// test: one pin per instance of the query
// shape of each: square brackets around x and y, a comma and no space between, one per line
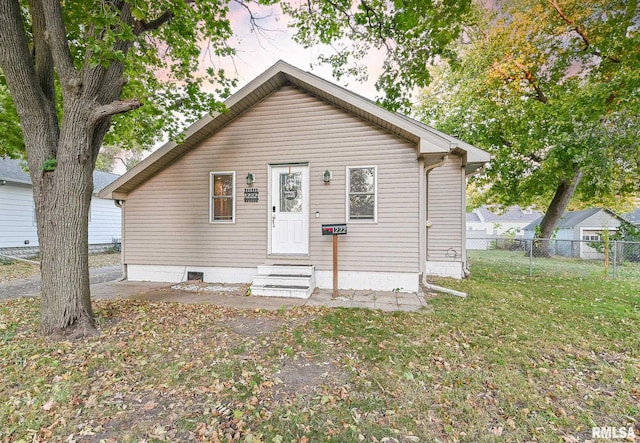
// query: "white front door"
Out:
[289,215]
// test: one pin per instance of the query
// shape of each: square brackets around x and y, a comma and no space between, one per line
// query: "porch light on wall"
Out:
[326,176]
[250,178]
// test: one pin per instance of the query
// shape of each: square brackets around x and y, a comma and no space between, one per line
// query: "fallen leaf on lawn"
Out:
[91,402]
[48,405]
[149,406]
[497,431]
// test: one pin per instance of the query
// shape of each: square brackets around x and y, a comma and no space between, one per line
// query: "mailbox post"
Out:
[334,230]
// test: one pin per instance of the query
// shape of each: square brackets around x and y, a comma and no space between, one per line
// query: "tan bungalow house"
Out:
[243,197]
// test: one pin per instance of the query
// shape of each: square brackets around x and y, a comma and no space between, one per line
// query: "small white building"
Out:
[501,221]
[576,229]
[18,228]
[487,223]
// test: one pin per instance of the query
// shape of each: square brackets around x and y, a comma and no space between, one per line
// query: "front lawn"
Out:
[11,270]
[520,359]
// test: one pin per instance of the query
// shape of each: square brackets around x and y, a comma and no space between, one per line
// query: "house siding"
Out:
[17,223]
[105,224]
[597,222]
[167,217]
[445,204]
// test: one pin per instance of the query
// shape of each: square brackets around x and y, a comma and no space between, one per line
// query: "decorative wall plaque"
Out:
[251,195]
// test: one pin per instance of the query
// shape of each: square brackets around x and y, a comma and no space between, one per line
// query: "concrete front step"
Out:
[284,280]
[286,269]
[282,291]
[293,281]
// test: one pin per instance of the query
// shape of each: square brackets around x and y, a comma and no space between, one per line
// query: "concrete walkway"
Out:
[235,296]
[30,287]
[105,286]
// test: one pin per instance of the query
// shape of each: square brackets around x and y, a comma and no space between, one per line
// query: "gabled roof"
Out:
[429,141]
[11,171]
[511,214]
[572,218]
[633,217]
[472,217]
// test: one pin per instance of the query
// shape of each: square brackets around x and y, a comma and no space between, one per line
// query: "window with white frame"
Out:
[222,190]
[361,193]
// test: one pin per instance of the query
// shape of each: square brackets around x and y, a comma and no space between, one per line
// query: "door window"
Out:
[291,192]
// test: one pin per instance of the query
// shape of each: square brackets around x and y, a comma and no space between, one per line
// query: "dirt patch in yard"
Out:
[251,327]
[305,376]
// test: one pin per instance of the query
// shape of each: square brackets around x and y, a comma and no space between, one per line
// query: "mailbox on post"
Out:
[335,229]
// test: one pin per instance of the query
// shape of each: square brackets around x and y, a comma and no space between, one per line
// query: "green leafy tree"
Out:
[72,68]
[12,144]
[552,89]
[408,34]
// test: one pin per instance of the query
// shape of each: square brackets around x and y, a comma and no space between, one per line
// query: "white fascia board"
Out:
[429,147]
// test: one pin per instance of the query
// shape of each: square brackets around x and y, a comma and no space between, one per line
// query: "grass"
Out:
[541,358]
[518,263]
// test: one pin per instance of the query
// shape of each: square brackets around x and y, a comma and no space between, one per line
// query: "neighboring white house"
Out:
[247,195]
[577,228]
[17,210]
[488,222]
[496,221]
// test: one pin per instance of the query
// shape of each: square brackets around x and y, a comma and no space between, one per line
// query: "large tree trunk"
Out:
[61,158]
[554,213]
[63,198]
[63,235]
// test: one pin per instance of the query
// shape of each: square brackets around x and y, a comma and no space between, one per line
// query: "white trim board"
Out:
[376,281]
[177,274]
[452,269]
[380,281]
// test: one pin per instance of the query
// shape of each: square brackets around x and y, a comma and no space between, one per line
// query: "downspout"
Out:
[425,283]
[428,168]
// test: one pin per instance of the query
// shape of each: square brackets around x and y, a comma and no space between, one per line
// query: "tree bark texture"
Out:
[63,198]
[61,155]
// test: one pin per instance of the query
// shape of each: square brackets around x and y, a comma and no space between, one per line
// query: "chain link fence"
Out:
[558,257]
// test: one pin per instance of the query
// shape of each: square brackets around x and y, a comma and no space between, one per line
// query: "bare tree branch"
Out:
[113,108]
[140,27]
[56,34]
[528,75]
[42,57]
[33,107]
[581,32]
[15,61]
